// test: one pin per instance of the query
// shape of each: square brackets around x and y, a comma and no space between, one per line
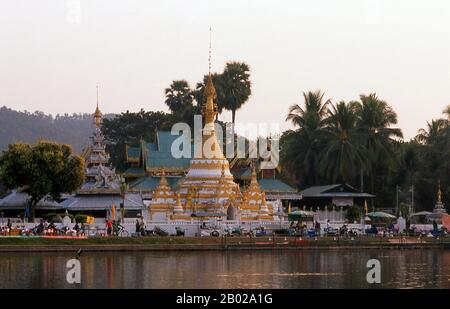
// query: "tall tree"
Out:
[433,132]
[342,157]
[236,86]
[179,97]
[447,112]
[302,147]
[46,168]
[375,118]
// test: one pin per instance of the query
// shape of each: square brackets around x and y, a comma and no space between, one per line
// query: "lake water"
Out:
[232,269]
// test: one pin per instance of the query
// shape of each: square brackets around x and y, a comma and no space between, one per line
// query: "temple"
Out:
[103,188]
[206,188]
[207,184]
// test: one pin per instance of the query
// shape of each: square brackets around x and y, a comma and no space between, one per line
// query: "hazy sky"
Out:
[53,55]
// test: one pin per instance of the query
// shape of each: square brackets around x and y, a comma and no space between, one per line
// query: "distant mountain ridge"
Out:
[16,126]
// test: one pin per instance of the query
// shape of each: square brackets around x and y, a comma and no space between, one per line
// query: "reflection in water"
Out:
[233,269]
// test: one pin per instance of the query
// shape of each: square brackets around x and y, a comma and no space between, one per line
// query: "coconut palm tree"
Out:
[236,86]
[375,118]
[302,147]
[433,133]
[447,112]
[342,156]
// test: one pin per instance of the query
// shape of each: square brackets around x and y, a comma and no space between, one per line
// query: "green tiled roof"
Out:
[165,140]
[152,146]
[274,185]
[162,157]
[159,155]
[149,183]
[132,171]
[133,152]
[166,160]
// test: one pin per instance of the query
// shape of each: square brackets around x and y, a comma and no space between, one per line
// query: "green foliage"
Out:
[353,213]
[236,86]
[129,128]
[179,97]
[334,143]
[45,168]
[403,210]
[300,150]
[80,218]
[233,87]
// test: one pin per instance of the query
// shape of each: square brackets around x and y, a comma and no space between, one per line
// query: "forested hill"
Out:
[29,127]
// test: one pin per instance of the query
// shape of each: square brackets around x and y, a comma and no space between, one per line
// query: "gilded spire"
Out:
[210,47]
[253,179]
[163,181]
[210,94]
[97,114]
[439,193]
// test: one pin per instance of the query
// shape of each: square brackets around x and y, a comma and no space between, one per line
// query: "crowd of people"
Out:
[44,227]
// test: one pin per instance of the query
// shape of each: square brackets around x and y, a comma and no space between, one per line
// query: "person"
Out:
[317,227]
[138,227]
[9,224]
[109,227]
[435,226]
[142,226]
[76,228]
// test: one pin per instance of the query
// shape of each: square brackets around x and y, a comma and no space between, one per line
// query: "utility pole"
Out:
[362,180]
[397,190]
[412,199]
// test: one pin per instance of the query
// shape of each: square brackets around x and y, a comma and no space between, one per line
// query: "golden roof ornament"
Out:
[178,207]
[210,107]
[97,114]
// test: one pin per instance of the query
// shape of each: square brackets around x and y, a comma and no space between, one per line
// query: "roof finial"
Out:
[439,193]
[210,47]
[97,114]
[97,96]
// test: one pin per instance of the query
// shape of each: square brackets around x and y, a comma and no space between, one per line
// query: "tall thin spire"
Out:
[439,193]
[210,48]
[97,114]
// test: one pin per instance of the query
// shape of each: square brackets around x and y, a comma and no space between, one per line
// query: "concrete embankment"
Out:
[208,244]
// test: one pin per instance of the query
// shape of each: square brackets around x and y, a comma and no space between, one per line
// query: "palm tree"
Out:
[236,86]
[343,155]
[447,112]
[312,116]
[179,97]
[375,118]
[433,133]
[302,147]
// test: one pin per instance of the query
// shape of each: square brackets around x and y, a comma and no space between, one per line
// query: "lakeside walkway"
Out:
[112,244]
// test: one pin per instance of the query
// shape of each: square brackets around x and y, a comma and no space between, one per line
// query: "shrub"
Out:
[353,213]
[79,218]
